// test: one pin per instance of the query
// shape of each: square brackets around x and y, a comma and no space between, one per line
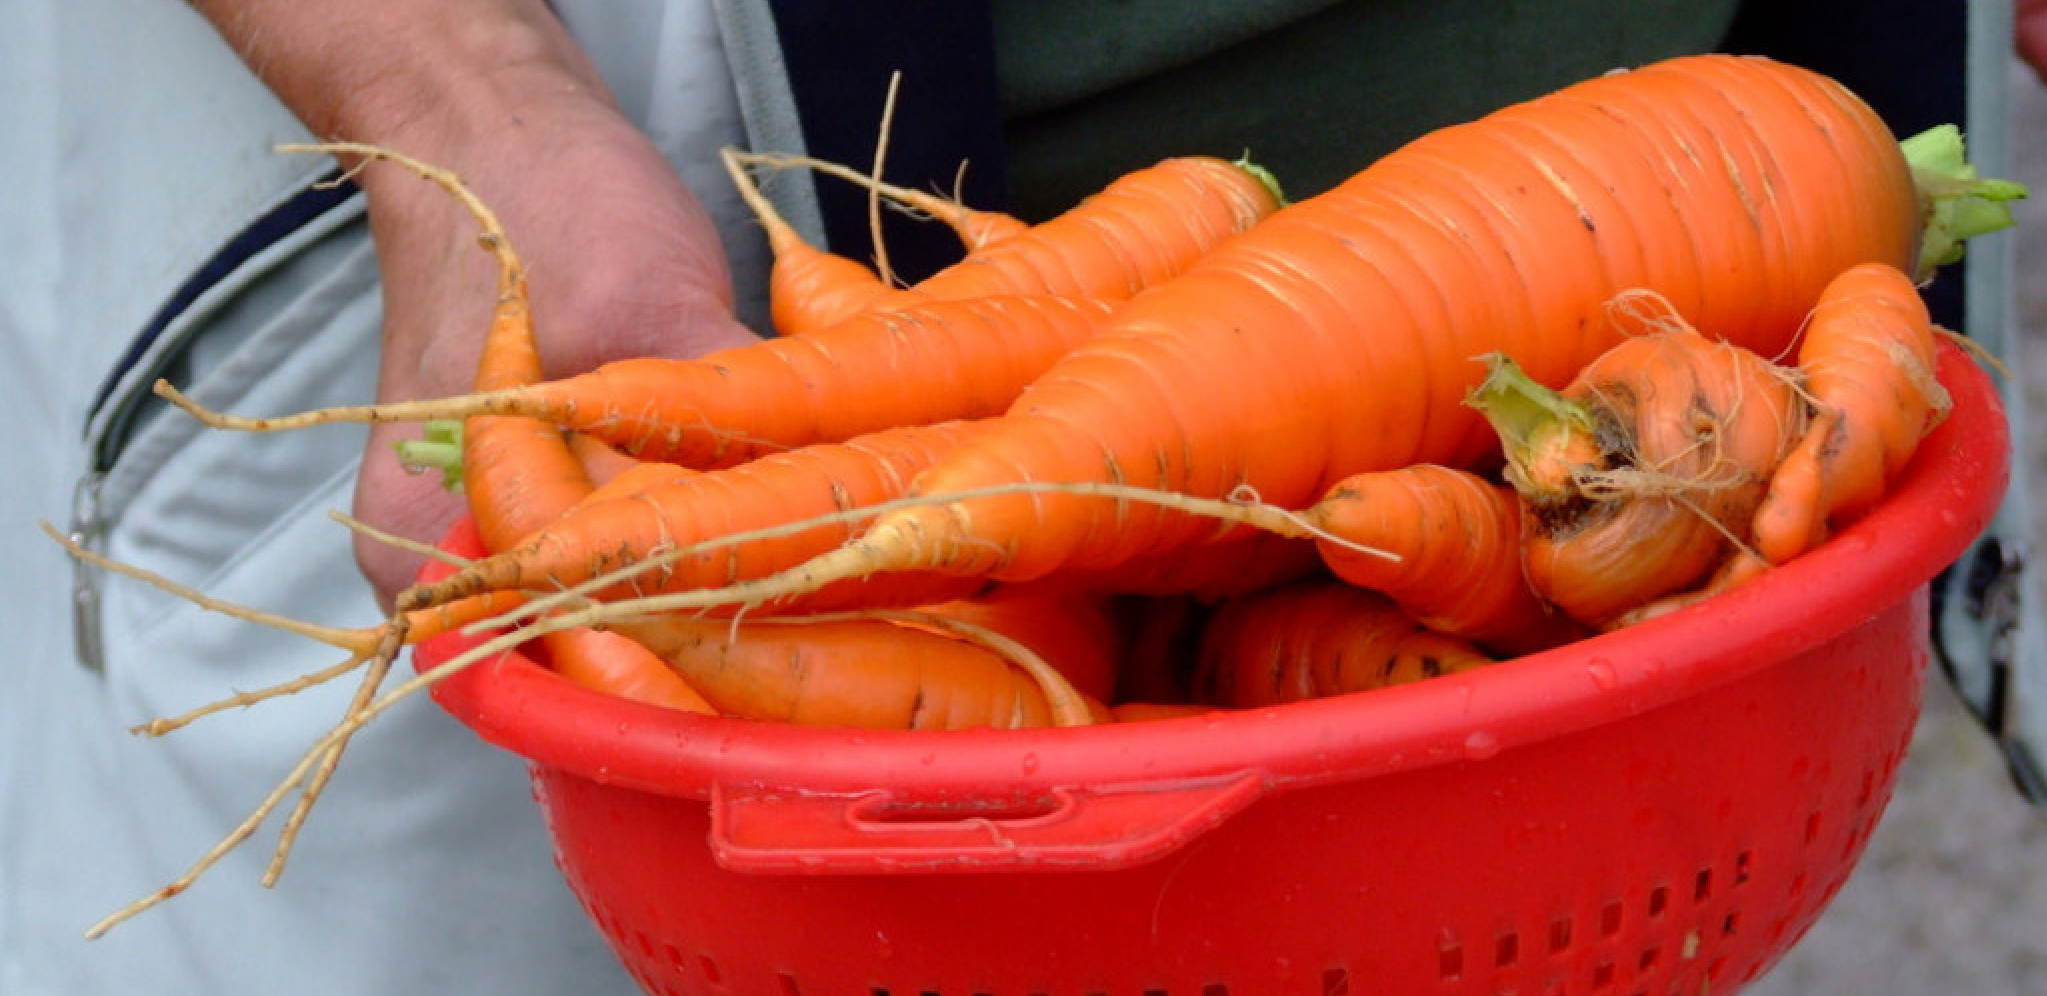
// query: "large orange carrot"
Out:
[1867,365]
[1641,475]
[935,361]
[1338,335]
[1317,638]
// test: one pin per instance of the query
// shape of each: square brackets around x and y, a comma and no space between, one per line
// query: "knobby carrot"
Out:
[1337,336]
[935,361]
[1317,638]
[1642,474]
[1866,362]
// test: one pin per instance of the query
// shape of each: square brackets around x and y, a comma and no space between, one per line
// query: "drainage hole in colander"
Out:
[1450,961]
[1336,981]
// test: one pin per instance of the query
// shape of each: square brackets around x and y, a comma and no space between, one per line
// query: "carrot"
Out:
[977,228]
[1866,362]
[1642,474]
[936,361]
[518,474]
[1143,228]
[1455,544]
[1337,336]
[809,288]
[602,461]
[599,538]
[1073,630]
[1317,638]
[865,672]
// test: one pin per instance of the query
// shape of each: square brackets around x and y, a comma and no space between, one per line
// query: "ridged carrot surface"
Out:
[1340,335]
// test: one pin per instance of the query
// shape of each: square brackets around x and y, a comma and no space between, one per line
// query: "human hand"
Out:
[621,261]
[620,258]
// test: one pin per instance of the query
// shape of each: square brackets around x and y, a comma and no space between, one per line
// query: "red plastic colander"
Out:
[1658,811]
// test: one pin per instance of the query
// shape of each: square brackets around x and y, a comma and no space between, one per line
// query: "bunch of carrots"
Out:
[1587,360]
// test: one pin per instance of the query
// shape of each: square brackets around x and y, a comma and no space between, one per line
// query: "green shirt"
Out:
[1313,90]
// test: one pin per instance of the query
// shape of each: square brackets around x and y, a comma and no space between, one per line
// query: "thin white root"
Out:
[1242,507]
[888,113]
[333,636]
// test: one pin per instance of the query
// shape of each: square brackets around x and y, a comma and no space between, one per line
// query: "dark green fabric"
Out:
[1312,89]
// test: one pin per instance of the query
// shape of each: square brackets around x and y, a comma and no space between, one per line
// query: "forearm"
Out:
[379,72]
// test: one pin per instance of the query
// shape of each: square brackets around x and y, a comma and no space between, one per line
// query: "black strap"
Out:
[272,227]
[840,55]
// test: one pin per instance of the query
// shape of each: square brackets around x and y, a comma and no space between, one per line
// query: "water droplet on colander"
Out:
[1601,671]
[1030,764]
[1481,744]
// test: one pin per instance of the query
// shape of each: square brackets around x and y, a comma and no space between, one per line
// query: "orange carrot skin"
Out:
[600,460]
[1143,228]
[1337,336]
[864,673]
[1073,631]
[604,536]
[940,361]
[1457,537]
[519,475]
[1707,423]
[812,289]
[1314,639]
[1867,360]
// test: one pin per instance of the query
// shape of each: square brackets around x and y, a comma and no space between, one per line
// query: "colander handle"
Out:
[765,830]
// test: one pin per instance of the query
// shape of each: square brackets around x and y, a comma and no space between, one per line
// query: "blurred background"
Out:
[1951,896]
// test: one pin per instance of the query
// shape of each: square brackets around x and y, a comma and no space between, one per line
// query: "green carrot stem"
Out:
[439,448]
[1542,433]
[1957,204]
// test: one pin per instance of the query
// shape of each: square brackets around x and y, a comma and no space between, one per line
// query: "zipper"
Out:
[87,527]
[124,394]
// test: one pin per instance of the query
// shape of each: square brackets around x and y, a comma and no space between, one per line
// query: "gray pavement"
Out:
[1951,897]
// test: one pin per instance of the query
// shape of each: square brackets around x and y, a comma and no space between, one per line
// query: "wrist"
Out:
[406,72]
